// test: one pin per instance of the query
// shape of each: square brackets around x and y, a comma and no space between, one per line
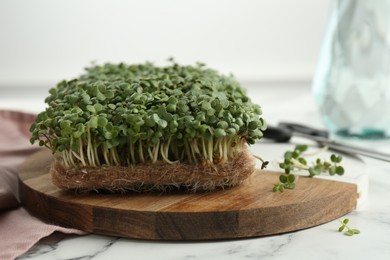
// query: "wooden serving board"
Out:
[250,210]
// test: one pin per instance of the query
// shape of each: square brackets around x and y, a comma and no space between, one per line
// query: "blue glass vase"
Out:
[352,82]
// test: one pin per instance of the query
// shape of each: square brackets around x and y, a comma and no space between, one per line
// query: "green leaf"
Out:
[339,170]
[98,107]
[162,113]
[290,186]
[91,109]
[65,124]
[210,112]
[301,148]
[288,155]
[356,231]
[110,94]
[291,178]
[302,160]
[336,159]
[219,132]
[231,131]
[86,98]
[314,171]
[100,96]
[171,108]
[108,135]
[32,140]
[76,145]
[102,121]
[80,130]
[162,123]
[93,122]
[206,106]
[150,122]
[349,233]
[283,178]
[222,124]
[77,134]
[253,125]
[332,170]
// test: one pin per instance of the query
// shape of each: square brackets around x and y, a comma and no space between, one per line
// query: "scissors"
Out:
[285,131]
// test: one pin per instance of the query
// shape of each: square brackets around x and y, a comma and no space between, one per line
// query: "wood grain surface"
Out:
[250,210]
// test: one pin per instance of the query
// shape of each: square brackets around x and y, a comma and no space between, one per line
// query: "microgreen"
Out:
[294,161]
[119,114]
[285,182]
[349,231]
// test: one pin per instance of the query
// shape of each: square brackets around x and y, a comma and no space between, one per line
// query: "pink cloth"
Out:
[18,229]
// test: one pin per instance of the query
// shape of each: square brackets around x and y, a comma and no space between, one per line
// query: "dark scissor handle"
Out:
[278,134]
[298,128]
[284,131]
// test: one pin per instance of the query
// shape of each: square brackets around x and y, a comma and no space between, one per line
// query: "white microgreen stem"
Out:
[114,155]
[131,151]
[65,159]
[259,158]
[150,153]
[105,155]
[193,153]
[96,155]
[225,150]
[71,159]
[210,150]
[155,152]
[89,146]
[188,152]
[321,150]
[299,165]
[204,149]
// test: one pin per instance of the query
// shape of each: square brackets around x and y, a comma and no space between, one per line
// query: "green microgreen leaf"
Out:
[128,114]
[219,132]
[339,170]
[291,178]
[102,121]
[91,109]
[294,161]
[93,122]
[283,178]
[349,231]
[356,231]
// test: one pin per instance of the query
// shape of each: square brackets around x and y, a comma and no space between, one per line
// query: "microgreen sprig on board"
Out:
[294,161]
[285,182]
[349,231]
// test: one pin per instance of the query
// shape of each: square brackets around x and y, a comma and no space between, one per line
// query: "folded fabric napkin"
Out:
[19,230]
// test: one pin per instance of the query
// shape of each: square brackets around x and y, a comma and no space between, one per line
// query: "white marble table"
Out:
[279,102]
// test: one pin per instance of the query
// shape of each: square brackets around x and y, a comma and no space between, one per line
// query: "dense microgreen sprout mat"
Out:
[121,115]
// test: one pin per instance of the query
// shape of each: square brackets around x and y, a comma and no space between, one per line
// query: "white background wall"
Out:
[44,41]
